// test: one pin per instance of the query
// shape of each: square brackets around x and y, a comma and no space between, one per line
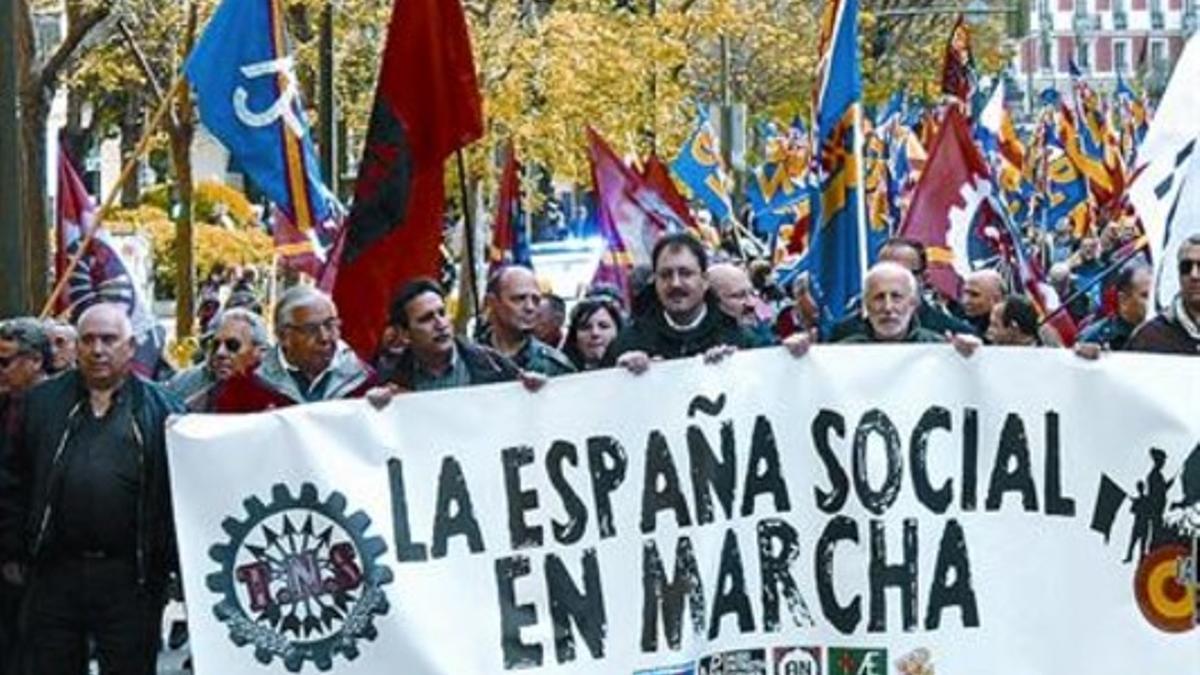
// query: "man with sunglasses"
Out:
[311,362]
[1177,329]
[237,345]
[24,356]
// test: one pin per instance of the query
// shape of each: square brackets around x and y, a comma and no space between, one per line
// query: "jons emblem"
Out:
[300,580]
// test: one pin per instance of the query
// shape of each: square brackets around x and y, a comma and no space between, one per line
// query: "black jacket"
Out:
[650,333]
[484,366]
[32,469]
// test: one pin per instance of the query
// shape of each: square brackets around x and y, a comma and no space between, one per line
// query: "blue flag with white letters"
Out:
[248,96]
[700,167]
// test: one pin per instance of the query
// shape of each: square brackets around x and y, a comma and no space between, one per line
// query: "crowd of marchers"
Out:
[86,534]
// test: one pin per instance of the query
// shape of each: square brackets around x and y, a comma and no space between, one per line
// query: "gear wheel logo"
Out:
[300,579]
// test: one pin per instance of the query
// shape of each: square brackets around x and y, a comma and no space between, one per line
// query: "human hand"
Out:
[635,362]
[718,353]
[797,344]
[964,343]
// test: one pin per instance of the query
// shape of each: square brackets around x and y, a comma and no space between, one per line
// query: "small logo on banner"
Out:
[300,579]
[857,661]
[797,660]
[741,662]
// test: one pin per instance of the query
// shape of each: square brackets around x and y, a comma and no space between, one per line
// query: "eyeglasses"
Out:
[312,330]
[232,345]
[1187,267]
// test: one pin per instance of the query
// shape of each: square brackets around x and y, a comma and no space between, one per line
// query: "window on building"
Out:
[1083,56]
[1047,53]
[1158,54]
[1081,8]
[1121,57]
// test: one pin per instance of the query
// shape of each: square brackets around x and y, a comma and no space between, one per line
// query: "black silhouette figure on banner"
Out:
[1139,536]
[1156,497]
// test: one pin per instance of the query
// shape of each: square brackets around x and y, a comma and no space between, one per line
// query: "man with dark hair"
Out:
[1133,302]
[311,362]
[512,302]
[1177,329]
[85,509]
[1014,323]
[433,357]
[683,318]
[910,255]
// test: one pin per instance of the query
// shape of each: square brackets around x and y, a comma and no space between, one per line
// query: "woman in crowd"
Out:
[595,322]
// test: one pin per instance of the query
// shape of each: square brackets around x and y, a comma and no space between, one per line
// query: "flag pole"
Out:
[468,282]
[860,190]
[113,192]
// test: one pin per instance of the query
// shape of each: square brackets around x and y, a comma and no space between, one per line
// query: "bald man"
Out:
[513,298]
[85,517]
[737,298]
[982,290]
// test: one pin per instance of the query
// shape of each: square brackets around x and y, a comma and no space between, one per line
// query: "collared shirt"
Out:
[312,389]
[536,356]
[457,375]
[98,498]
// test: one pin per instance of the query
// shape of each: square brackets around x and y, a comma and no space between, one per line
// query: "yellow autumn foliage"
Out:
[214,244]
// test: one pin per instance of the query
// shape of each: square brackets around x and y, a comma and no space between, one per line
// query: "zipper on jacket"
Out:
[58,453]
[141,506]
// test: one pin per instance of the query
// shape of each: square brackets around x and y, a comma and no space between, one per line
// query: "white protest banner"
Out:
[860,510]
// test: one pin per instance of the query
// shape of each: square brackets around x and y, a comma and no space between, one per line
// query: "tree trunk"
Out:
[185,237]
[181,130]
[34,201]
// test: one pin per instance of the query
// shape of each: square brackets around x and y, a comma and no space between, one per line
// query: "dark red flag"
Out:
[427,105]
[952,190]
[658,177]
[958,71]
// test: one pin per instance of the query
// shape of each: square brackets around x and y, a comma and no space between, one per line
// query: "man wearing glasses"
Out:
[24,355]
[1177,329]
[310,363]
[237,346]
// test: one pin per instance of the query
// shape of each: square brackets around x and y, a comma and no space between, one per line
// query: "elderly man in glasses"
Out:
[237,346]
[311,362]
[1177,329]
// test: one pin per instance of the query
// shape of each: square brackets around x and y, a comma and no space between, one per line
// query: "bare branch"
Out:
[76,32]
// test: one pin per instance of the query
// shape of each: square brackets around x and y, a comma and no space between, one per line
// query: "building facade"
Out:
[1139,39]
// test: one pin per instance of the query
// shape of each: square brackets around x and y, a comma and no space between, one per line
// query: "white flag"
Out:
[1165,161]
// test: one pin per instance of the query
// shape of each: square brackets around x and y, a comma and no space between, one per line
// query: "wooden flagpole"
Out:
[114,192]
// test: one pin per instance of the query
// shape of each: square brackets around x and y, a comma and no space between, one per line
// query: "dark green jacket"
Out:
[32,470]
[650,333]
[916,334]
[484,366]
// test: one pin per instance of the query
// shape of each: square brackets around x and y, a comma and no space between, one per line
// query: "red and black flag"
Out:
[427,106]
